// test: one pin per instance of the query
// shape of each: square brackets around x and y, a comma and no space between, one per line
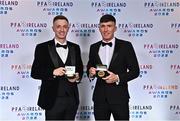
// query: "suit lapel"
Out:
[115,53]
[71,54]
[53,54]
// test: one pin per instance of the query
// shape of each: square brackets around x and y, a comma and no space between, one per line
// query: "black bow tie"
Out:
[109,44]
[63,46]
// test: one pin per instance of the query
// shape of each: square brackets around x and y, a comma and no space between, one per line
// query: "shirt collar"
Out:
[65,43]
[112,40]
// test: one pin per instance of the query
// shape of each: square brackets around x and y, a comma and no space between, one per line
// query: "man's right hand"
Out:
[59,71]
[92,71]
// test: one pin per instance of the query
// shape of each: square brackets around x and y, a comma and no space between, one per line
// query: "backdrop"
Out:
[152,26]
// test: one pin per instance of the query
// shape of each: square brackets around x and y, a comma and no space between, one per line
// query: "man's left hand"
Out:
[75,79]
[111,78]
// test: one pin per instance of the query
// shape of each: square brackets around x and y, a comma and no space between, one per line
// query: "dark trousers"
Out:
[103,111]
[65,108]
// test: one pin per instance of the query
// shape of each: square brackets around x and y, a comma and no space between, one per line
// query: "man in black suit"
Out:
[111,94]
[59,93]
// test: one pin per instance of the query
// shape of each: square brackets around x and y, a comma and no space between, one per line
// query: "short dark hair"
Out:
[107,18]
[60,17]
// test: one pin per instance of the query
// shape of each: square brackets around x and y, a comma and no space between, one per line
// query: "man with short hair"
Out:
[59,93]
[111,94]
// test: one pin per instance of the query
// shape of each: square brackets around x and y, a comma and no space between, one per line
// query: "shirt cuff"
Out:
[117,83]
[77,81]
[91,78]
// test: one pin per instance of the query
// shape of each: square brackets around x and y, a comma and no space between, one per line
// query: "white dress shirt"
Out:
[106,52]
[62,52]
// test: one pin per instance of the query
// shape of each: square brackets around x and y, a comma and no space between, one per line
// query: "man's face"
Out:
[107,30]
[60,28]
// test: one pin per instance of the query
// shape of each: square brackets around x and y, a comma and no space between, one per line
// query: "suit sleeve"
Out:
[132,65]
[41,68]
[91,62]
[79,63]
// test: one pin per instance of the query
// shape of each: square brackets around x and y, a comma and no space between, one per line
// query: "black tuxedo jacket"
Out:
[46,59]
[124,63]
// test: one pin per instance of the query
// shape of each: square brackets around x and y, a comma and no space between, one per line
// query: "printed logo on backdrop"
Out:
[22,70]
[7,6]
[7,50]
[135,29]
[175,68]
[85,112]
[175,109]
[144,69]
[30,29]
[139,111]
[161,50]
[160,91]
[83,29]
[176,27]
[161,8]
[105,7]
[6,92]
[28,112]
[52,7]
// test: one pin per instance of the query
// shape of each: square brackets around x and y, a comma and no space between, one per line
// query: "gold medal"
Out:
[101,70]
[101,73]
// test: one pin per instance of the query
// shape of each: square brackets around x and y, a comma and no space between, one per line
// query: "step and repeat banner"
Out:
[152,26]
